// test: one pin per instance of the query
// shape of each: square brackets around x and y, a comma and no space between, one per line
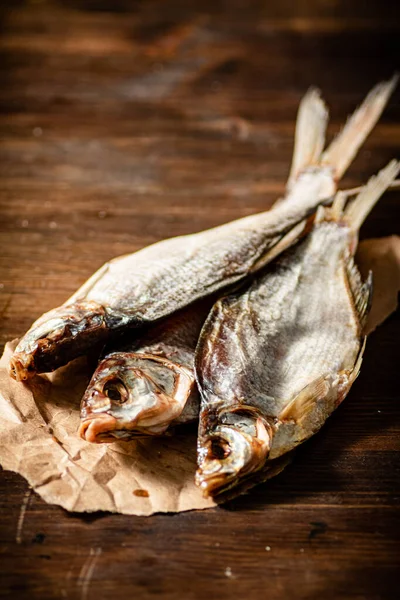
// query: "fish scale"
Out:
[308,358]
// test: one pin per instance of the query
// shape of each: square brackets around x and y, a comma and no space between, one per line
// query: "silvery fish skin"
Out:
[276,359]
[143,388]
[134,290]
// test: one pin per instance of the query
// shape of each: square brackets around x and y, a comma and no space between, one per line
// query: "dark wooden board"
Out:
[125,122]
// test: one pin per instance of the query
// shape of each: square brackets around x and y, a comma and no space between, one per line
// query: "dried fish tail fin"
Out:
[311,123]
[314,174]
[345,146]
[350,192]
[361,206]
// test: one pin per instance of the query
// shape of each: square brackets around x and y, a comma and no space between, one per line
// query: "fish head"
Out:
[236,446]
[133,395]
[51,341]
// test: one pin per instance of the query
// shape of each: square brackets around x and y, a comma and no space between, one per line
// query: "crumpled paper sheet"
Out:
[39,422]
[38,439]
[382,257]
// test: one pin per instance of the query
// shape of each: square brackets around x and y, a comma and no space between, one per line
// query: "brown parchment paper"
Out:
[38,425]
[38,439]
[382,257]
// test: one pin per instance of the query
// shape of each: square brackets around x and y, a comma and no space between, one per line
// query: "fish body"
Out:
[275,359]
[135,290]
[141,288]
[144,387]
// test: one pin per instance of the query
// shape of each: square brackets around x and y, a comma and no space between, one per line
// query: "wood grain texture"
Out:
[125,122]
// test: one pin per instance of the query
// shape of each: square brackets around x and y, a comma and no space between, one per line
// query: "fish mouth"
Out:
[97,429]
[213,485]
[21,367]
[271,469]
[229,455]
[106,429]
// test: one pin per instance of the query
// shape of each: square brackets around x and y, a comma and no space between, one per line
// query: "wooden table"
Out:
[125,122]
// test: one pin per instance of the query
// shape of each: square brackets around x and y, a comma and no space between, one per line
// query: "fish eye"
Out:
[219,448]
[115,390]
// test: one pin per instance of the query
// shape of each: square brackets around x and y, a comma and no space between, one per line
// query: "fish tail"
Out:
[311,123]
[342,150]
[357,211]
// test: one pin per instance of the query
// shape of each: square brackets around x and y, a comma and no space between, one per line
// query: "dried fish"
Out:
[151,377]
[140,288]
[143,388]
[276,359]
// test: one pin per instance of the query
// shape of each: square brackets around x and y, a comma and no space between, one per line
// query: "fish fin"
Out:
[356,211]
[281,244]
[361,291]
[309,410]
[304,415]
[346,144]
[338,204]
[354,373]
[301,404]
[395,185]
[361,206]
[312,119]
[322,214]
